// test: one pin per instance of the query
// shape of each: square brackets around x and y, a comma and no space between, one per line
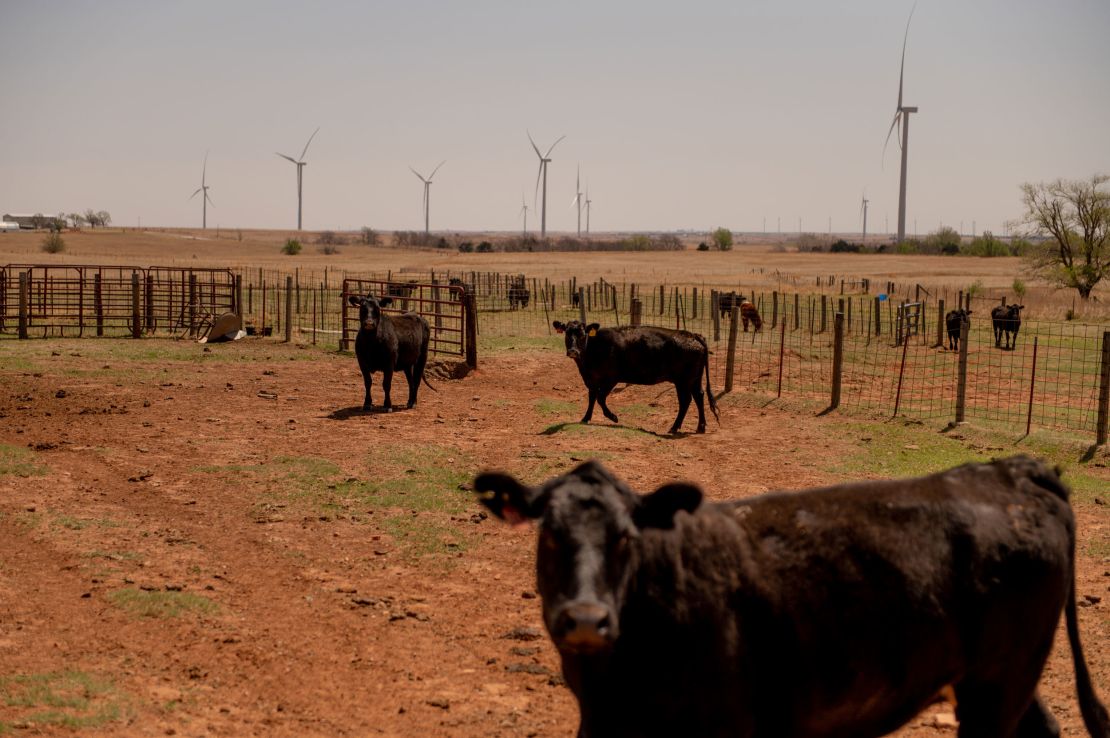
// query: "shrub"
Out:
[292,247]
[987,245]
[53,243]
[369,237]
[466,247]
[844,247]
[1019,288]
[329,249]
[331,239]
[442,243]
[944,241]
[485,247]
[722,239]
[975,289]
[703,246]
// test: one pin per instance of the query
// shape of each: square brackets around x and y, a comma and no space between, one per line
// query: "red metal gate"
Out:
[443,306]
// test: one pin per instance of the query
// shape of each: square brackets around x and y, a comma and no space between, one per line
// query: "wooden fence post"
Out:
[694,306]
[940,322]
[136,326]
[824,313]
[838,358]
[715,307]
[782,355]
[582,305]
[878,316]
[1104,392]
[470,302]
[24,303]
[730,362]
[289,309]
[797,316]
[961,373]
[775,309]
[1032,385]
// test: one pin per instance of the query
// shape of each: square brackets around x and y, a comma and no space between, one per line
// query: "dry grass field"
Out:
[216,541]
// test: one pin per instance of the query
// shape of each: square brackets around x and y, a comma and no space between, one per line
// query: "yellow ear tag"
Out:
[593,332]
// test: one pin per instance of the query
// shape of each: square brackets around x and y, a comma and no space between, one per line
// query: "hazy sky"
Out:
[682,115]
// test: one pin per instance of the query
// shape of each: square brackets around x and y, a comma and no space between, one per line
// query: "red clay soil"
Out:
[244,492]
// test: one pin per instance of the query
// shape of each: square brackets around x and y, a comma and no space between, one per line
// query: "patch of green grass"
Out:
[72,523]
[488,344]
[547,406]
[595,430]
[18,462]
[69,699]
[158,604]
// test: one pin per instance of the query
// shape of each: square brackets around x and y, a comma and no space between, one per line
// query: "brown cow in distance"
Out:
[823,613]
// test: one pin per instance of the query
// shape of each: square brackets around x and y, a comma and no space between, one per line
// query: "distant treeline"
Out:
[637,242]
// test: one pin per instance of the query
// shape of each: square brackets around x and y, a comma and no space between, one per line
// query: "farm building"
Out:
[23,220]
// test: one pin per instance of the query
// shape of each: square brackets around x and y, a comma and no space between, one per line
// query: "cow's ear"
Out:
[385,301]
[658,509]
[354,300]
[508,499]
[559,326]
[967,312]
[591,329]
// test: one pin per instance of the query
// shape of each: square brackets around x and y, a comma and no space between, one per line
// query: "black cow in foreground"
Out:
[833,612]
[952,321]
[387,343]
[640,355]
[1006,320]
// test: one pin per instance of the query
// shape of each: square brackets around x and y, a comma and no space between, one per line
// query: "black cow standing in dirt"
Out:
[640,355]
[1007,320]
[952,321]
[386,343]
[824,613]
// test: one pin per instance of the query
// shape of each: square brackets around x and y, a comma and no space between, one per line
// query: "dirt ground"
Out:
[222,544]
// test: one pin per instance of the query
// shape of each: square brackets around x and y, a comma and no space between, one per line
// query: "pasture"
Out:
[218,542]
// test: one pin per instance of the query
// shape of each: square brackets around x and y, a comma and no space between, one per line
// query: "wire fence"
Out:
[894,355]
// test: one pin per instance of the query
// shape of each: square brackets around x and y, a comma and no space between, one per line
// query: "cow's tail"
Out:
[708,389]
[427,383]
[1093,711]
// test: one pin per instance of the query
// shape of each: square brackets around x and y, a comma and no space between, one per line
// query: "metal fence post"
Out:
[98,302]
[239,296]
[24,303]
[715,306]
[136,326]
[344,334]
[1104,392]
[192,304]
[940,322]
[774,309]
[838,358]
[582,305]
[730,362]
[289,309]
[471,328]
[961,376]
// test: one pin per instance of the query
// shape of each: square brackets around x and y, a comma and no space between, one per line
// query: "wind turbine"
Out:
[524,209]
[544,161]
[863,211]
[588,201]
[902,121]
[205,199]
[578,198]
[300,167]
[427,190]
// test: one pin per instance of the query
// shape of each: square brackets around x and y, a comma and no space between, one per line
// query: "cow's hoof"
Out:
[411,405]
[585,420]
[388,408]
[613,418]
[366,408]
[701,429]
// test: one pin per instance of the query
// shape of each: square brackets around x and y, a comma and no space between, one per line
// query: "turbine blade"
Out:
[436,170]
[195,193]
[537,148]
[560,138]
[209,199]
[418,174]
[283,156]
[893,123]
[536,196]
[204,171]
[309,141]
[902,67]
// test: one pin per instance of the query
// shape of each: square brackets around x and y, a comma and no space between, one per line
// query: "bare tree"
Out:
[104,217]
[1076,216]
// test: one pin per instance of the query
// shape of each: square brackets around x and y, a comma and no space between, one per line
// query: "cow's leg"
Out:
[1003,709]
[367,380]
[683,406]
[745,322]
[590,408]
[997,338]
[602,396]
[699,401]
[412,386]
[417,372]
[387,382]
[1037,722]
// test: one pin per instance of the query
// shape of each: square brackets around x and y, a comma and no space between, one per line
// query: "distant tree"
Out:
[104,217]
[1076,216]
[466,247]
[484,247]
[703,246]
[76,219]
[987,245]
[38,220]
[722,239]
[92,218]
[369,237]
[1019,288]
[844,247]
[53,243]
[944,241]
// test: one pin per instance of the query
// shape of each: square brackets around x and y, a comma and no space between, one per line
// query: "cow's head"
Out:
[589,531]
[1015,311]
[577,335]
[369,310]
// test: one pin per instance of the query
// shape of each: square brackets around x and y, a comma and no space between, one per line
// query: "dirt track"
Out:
[332,577]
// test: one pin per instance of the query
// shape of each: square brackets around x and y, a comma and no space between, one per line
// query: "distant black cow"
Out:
[518,294]
[402,290]
[748,311]
[386,343]
[456,282]
[640,355]
[840,611]
[1007,320]
[952,321]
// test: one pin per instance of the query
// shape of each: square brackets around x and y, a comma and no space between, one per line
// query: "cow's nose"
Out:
[584,627]
[572,353]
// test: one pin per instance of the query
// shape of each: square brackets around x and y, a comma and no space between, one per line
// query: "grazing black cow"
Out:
[726,301]
[952,321]
[832,612]
[640,355]
[386,343]
[456,282]
[518,294]
[1007,320]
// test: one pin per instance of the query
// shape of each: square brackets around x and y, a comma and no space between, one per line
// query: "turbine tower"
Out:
[300,168]
[578,198]
[524,209]
[863,211]
[902,121]
[545,159]
[588,201]
[205,199]
[427,190]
